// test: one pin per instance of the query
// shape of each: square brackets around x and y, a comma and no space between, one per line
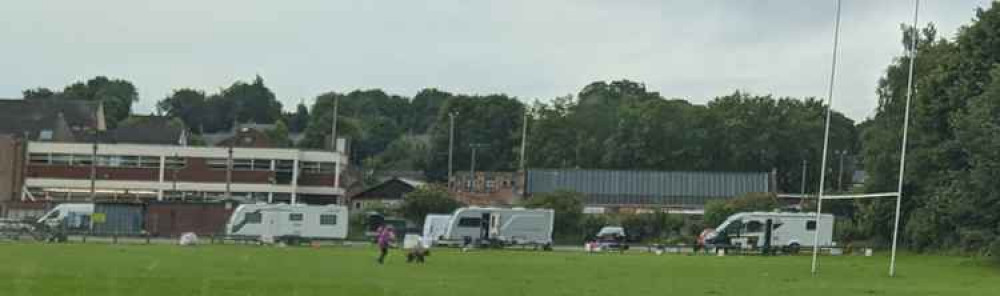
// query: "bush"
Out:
[568,207]
[429,199]
[994,251]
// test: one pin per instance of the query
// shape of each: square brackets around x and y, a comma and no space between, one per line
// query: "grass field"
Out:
[96,269]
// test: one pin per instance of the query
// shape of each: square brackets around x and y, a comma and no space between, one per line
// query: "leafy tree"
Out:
[188,105]
[717,211]
[568,207]
[38,93]
[491,122]
[425,200]
[298,121]
[115,95]
[279,135]
[425,108]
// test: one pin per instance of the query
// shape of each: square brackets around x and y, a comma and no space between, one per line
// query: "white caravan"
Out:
[789,230]
[70,215]
[284,222]
[501,226]
[435,227]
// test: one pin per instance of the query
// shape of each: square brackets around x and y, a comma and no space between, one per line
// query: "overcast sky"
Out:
[537,49]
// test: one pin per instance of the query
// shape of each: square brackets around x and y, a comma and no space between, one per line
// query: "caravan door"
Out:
[494,225]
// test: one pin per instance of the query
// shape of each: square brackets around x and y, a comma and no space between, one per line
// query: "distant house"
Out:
[41,120]
[487,188]
[388,194]
[153,130]
[637,191]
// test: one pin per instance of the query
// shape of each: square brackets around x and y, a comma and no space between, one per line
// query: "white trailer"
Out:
[501,226]
[788,230]
[73,216]
[291,223]
[435,227]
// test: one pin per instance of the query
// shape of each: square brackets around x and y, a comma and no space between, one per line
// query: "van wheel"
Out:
[547,247]
[794,248]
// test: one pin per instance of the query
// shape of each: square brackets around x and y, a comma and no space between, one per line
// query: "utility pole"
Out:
[93,169]
[229,173]
[175,175]
[840,175]
[524,138]
[451,143]
[333,130]
[472,168]
[804,164]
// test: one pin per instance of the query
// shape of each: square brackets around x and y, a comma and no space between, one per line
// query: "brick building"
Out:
[62,171]
[487,188]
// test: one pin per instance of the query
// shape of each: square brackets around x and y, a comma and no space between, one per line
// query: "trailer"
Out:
[294,223]
[500,227]
[790,231]
[435,227]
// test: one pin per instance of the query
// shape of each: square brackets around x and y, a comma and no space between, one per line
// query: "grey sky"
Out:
[538,49]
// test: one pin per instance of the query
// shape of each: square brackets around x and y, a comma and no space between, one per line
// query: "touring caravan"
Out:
[500,226]
[435,226]
[788,230]
[290,223]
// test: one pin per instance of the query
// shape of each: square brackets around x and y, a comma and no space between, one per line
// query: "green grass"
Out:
[97,269]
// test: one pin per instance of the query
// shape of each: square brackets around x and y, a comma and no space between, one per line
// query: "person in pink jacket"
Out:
[384,238]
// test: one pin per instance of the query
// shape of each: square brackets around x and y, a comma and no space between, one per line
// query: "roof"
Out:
[607,187]
[150,130]
[78,113]
[391,189]
[412,182]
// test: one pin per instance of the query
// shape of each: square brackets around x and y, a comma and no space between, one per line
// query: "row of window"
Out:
[153,162]
[117,161]
[324,219]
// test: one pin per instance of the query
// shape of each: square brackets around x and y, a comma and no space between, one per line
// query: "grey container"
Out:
[120,219]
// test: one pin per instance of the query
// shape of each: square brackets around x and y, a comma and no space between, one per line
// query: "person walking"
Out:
[384,238]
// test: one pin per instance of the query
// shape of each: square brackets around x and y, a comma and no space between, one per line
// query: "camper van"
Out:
[435,227]
[71,216]
[500,226]
[287,223]
[788,230]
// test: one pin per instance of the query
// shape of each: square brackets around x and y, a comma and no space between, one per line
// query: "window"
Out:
[295,217]
[39,158]
[45,135]
[128,161]
[754,226]
[82,159]
[490,185]
[242,164]
[470,222]
[152,162]
[175,162]
[357,205]
[216,163]
[327,219]
[309,167]
[811,225]
[262,164]
[284,165]
[61,159]
[252,218]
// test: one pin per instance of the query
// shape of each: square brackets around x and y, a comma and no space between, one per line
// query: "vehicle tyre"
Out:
[794,248]
[547,247]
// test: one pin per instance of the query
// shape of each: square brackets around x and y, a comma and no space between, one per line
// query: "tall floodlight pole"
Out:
[906,125]
[451,143]
[229,172]
[826,139]
[840,173]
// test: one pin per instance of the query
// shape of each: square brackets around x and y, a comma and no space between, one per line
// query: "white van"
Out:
[290,223]
[501,226]
[789,230]
[73,216]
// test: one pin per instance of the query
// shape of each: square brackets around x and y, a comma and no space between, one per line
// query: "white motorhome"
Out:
[789,230]
[435,226]
[503,226]
[72,216]
[291,223]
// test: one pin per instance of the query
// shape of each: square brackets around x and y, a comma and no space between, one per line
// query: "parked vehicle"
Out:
[289,223]
[435,227]
[500,226]
[71,216]
[611,238]
[790,231]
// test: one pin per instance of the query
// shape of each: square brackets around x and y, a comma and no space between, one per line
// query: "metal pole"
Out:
[175,174]
[472,169]
[524,138]
[906,124]
[826,140]
[333,130]
[93,170]
[451,143]
[840,174]
[804,163]
[229,173]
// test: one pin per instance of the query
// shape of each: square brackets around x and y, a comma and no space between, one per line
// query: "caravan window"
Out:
[754,226]
[327,219]
[294,217]
[470,222]
[252,218]
[811,225]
